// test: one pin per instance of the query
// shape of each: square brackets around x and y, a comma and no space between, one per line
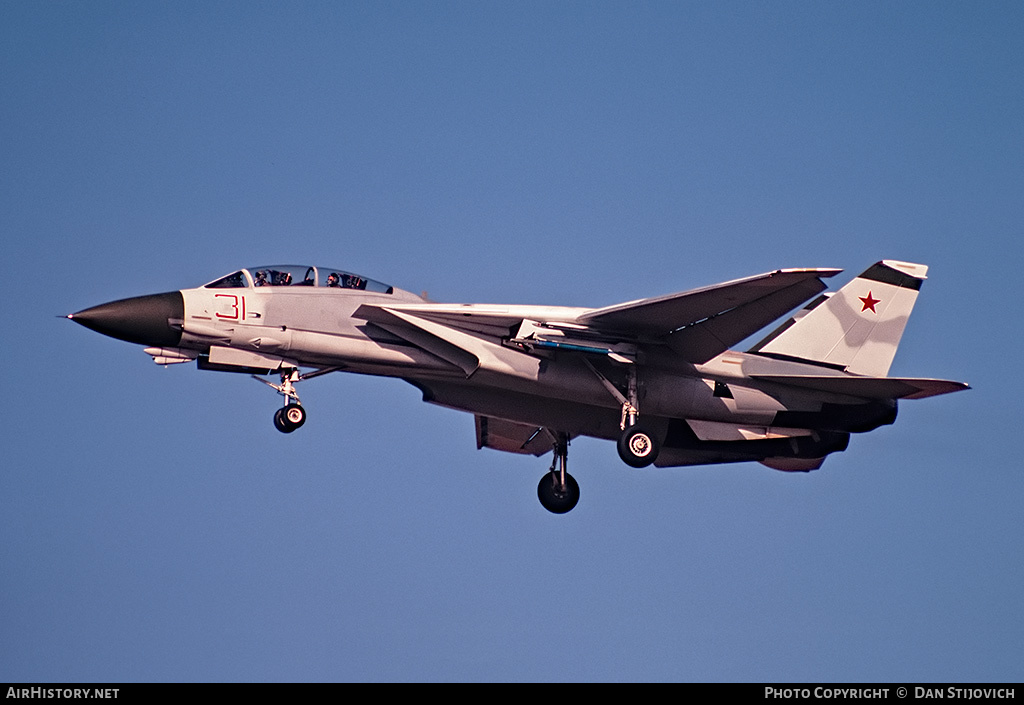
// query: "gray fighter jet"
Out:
[655,375]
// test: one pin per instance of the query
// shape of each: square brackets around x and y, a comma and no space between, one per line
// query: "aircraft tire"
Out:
[289,418]
[558,502]
[279,422]
[638,447]
[293,415]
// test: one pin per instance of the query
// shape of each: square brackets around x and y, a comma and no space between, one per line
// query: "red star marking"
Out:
[869,303]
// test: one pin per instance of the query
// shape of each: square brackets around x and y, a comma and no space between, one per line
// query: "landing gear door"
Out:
[246,360]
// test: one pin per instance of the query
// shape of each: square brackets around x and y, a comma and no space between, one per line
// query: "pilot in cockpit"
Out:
[260,279]
[332,279]
[351,281]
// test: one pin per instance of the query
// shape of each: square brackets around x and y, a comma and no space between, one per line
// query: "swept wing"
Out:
[662,315]
[697,324]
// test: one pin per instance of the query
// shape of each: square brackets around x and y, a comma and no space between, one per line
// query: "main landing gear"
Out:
[638,446]
[558,491]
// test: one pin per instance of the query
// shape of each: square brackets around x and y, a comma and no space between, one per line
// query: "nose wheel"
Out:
[289,418]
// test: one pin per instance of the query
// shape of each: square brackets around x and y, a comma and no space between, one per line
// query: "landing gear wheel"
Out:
[289,418]
[638,447]
[293,415]
[279,422]
[556,498]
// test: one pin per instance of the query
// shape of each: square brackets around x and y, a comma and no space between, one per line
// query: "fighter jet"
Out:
[657,375]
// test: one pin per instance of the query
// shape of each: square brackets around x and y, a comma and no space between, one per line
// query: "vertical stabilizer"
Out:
[858,328]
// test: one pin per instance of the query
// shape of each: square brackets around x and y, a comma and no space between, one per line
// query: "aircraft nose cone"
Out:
[141,319]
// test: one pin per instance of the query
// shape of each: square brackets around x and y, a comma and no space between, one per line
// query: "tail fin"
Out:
[858,328]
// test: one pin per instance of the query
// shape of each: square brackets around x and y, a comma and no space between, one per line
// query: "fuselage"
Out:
[234,325]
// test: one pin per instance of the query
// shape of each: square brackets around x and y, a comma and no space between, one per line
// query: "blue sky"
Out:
[155,527]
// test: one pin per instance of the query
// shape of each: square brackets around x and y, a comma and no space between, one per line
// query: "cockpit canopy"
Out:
[276,275]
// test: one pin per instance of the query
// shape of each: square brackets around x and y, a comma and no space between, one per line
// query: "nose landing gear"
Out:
[292,415]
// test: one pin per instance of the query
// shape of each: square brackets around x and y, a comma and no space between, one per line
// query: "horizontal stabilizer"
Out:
[869,387]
